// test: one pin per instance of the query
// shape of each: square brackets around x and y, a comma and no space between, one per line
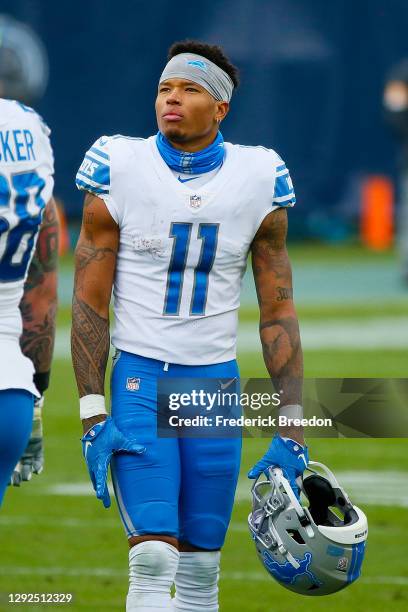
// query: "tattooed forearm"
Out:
[283,356]
[279,329]
[39,303]
[90,330]
[90,347]
[95,261]
[37,340]
[46,253]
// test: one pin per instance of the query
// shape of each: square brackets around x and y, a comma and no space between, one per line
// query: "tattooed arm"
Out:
[95,261]
[279,329]
[39,303]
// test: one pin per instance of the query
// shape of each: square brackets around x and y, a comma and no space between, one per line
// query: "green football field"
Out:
[55,537]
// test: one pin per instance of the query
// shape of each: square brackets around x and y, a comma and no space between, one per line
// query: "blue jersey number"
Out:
[181,232]
[17,240]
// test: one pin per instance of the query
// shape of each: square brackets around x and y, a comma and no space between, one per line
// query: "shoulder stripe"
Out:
[92,182]
[88,186]
[93,159]
[96,170]
[286,198]
[100,153]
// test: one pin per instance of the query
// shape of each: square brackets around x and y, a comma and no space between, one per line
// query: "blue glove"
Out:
[98,446]
[288,455]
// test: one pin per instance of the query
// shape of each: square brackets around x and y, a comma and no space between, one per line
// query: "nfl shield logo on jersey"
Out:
[195,201]
[132,384]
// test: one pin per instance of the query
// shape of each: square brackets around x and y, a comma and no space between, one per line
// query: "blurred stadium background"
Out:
[313,75]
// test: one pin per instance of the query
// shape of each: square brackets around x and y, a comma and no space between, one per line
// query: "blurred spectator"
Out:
[396,109]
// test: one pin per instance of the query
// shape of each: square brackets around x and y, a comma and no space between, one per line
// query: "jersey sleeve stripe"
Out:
[101,174]
[100,153]
[95,170]
[286,198]
[89,186]
[281,168]
[91,181]
[96,161]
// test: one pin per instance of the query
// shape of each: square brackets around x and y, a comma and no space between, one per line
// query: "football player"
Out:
[28,287]
[169,221]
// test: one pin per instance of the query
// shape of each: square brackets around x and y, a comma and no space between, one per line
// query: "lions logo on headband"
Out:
[197,63]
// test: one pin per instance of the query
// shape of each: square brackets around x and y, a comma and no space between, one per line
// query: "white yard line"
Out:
[103,523]
[370,488]
[102,572]
[371,333]
[59,523]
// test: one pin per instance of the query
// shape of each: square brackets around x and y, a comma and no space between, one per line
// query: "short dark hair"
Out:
[212,52]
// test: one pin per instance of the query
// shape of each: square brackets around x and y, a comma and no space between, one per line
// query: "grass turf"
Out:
[59,543]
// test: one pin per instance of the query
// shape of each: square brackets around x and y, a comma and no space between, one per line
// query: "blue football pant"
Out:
[16,420]
[180,487]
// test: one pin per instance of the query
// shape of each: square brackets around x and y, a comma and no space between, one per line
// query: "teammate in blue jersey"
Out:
[169,222]
[28,287]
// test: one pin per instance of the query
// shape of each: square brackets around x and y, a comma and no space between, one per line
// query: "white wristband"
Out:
[291,411]
[91,405]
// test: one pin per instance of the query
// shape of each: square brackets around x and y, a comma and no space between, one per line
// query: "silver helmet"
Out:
[313,549]
[23,61]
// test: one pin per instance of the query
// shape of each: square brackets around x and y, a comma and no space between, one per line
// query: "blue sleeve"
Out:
[94,173]
[284,194]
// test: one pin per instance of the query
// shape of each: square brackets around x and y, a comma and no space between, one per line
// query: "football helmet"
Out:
[313,549]
[23,61]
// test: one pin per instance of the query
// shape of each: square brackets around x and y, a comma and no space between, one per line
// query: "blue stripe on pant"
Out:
[182,487]
[16,420]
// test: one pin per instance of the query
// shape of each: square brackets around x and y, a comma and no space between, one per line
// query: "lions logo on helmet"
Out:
[310,550]
[287,572]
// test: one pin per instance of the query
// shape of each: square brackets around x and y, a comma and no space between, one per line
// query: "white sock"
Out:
[152,567]
[197,582]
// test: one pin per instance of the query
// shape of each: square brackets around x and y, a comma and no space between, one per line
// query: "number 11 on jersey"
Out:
[181,232]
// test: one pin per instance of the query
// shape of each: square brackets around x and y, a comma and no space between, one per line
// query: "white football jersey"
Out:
[26,183]
[183,247]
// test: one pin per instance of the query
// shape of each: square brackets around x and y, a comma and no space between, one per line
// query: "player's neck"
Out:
[192,161]
[196,144]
